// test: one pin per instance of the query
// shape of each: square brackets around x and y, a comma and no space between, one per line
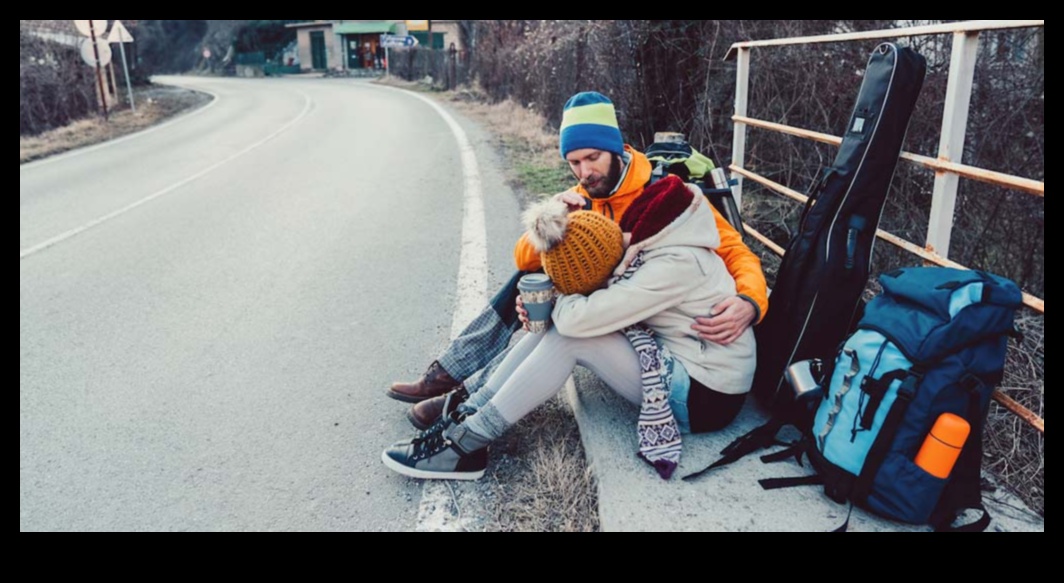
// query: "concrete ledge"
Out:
[633,499]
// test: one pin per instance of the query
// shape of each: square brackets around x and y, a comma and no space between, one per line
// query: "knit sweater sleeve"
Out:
[662,283]
[743,265]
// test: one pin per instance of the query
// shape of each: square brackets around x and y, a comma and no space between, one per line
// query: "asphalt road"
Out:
[209,313]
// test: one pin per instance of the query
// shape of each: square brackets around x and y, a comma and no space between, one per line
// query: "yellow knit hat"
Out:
[579,250]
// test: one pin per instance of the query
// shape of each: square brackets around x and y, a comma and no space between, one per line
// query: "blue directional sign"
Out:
[391,41]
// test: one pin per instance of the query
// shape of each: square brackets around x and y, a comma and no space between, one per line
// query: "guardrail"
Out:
[947,167]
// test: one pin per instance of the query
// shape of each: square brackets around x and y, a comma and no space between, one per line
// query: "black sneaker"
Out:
[452,453]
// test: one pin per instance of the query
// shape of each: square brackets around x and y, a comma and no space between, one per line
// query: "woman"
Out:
[635,334]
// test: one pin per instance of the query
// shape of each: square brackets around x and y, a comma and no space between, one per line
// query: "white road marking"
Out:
[439,510]
[308,103]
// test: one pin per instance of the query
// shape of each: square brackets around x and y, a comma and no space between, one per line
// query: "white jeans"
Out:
[536,370]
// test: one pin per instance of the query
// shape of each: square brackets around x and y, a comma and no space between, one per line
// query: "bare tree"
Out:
[467,34]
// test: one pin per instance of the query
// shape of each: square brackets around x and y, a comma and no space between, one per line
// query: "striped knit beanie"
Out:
[579,250]
[590,121]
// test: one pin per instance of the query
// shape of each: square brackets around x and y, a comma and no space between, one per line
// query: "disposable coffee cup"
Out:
[537,293]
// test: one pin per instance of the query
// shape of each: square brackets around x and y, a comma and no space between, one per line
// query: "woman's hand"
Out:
[522,313]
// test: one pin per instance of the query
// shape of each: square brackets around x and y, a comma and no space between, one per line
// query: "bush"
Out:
[55,85]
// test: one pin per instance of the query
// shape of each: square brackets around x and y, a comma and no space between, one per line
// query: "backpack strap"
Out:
[878,454]
[877,391]
[761,438]
[785,483]
[797,452]
[814,193]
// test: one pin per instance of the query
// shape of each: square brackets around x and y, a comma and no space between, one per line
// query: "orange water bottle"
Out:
[943,446]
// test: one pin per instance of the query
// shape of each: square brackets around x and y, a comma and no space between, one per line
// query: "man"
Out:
[611,176]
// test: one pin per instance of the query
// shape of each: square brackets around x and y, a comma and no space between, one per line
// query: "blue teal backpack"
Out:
[933,343]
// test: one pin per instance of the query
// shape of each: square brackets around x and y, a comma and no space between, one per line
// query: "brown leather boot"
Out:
[435,383]
[425,414]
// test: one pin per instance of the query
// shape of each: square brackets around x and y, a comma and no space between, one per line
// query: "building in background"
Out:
[354,45]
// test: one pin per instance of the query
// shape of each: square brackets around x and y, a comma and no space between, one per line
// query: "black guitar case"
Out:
[818,291]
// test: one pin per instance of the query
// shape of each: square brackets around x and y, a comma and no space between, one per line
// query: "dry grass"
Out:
[531,145]
[154,105]
[524,130]
[539,478]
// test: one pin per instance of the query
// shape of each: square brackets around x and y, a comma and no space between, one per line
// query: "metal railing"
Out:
[947,167]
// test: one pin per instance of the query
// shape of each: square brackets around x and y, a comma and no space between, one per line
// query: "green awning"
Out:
[374,27]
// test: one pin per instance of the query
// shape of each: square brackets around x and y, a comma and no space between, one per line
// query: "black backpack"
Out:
[672,154]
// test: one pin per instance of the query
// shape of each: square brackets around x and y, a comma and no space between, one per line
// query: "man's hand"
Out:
[522,313]
[574,201]
[732,318]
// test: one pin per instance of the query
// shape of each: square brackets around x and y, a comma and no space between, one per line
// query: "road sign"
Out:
[100,27]
[119,34]
[391,41]
[90,56]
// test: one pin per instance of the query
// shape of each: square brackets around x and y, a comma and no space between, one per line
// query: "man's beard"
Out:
[606,187]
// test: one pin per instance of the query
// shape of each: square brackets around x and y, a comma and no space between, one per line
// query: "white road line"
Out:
[82,151]
[307,106]
[437,510]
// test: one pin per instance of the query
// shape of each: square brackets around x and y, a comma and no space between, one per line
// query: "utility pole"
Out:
[99,73]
